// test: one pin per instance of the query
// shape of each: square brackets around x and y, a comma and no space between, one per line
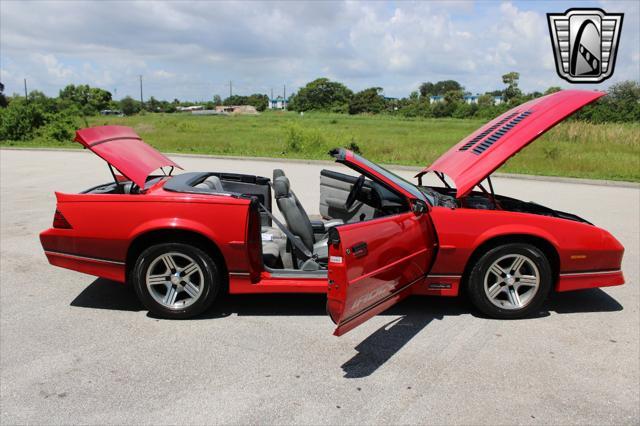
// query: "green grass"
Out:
[574,149]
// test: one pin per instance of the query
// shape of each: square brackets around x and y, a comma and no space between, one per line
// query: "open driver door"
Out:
[373,264]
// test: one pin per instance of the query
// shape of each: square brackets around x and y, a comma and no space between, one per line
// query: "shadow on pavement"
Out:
[106,294]
[415,313]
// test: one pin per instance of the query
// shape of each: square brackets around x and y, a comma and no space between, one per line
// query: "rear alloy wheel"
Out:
[510,281]
[176,280]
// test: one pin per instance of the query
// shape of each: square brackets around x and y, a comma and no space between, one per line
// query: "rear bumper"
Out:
[582,280]
[62,249]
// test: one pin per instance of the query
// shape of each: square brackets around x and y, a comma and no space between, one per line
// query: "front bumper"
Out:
[582,280]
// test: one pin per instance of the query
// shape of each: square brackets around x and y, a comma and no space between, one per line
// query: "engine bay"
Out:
[478,200]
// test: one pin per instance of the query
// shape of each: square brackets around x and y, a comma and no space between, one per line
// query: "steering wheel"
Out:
[355,190]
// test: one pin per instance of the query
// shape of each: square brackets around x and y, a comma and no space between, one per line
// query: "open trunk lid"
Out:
[478,155]
[123,149]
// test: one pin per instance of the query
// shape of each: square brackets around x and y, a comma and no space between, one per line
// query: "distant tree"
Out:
[511,80]
[485,100]
[414,95]
[427,89]
[464,110]
[323,94]
[154,105]
[552,89]
[453,96]
[258,100]
[622,104]
[129,106]
[367,101]
[89,100]
[235,100]
[442,87]
[3,98]
[217,100]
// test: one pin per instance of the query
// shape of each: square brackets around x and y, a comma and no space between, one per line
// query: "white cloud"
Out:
[192,49]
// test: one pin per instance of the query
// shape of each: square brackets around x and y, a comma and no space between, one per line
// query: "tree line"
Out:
[57,118]
[447,99]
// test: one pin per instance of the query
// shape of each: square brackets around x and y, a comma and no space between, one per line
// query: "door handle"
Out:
[360,250]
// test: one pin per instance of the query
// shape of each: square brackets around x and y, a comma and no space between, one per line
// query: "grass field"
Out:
[575,149]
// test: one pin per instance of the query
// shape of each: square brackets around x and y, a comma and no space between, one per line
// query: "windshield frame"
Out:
[414,191]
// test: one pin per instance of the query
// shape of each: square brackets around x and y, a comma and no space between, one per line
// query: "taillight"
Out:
[59,221]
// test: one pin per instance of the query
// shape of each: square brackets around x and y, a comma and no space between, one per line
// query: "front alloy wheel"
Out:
[510,281]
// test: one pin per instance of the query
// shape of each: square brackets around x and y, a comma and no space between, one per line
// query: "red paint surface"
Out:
[467,169]
[121,147]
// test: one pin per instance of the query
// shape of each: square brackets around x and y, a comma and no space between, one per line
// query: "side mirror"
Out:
[419,207]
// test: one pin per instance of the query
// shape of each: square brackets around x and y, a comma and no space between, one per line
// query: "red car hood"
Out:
[121,147]
[479,154]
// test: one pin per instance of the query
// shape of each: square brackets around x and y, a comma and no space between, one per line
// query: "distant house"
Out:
[497,100]
[190,108]
[278,103]
[435,99]
[111,112]
[471,99]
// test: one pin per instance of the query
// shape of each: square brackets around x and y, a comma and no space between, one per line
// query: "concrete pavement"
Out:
[74,349]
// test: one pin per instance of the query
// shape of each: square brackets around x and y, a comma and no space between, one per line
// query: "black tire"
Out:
[210,281]
[480,297]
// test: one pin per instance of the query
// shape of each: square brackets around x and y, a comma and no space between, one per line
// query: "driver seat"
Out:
[296,217]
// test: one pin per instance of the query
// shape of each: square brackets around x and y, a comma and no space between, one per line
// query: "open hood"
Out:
[123,149]
[475,157]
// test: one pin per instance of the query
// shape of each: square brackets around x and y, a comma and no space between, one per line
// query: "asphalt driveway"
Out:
[75,349]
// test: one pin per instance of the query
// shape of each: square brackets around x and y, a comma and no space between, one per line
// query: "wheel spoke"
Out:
[528,280]
[517,264]
[495,290]
[190,269]
[169,262]
[191,289]
[157,279]
[170,297]
[514,297]
[497,270]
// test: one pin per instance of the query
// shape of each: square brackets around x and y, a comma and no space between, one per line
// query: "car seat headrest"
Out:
[281,186]
[214,183]
[277,173]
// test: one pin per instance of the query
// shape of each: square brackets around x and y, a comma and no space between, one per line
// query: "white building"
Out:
[471,99]
[278,103]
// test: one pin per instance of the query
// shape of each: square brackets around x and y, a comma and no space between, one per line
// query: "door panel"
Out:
[334,189]
[373,264]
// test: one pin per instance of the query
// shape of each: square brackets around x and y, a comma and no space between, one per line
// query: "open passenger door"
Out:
[373,264]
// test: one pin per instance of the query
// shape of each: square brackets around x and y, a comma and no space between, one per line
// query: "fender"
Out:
[515,229]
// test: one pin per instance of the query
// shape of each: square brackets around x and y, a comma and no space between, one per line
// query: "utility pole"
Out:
[25,90]
[284,101]
[230,88]
[141,101]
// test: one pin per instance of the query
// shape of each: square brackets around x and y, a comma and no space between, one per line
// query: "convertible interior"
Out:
[297,242]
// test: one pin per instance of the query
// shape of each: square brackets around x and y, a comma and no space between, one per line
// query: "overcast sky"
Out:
[190,50]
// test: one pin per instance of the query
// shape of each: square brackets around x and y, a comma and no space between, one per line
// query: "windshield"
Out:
[418,192]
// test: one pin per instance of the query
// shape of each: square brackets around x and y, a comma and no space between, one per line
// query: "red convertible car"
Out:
[182,240]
